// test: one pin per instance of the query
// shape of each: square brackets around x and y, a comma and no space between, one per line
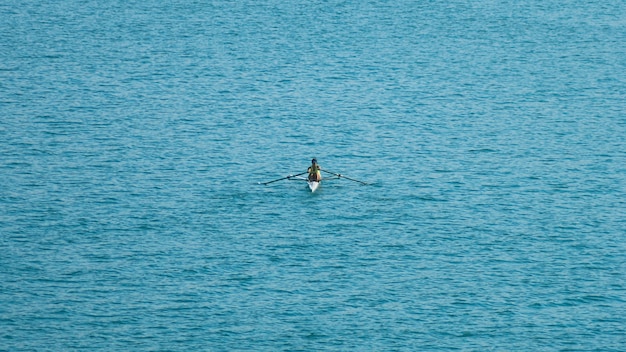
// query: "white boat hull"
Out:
[313,185]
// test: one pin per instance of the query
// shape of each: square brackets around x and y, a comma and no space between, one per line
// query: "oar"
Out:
[282,178]
[347,178]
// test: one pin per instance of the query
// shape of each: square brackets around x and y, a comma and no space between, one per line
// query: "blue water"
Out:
[133,136]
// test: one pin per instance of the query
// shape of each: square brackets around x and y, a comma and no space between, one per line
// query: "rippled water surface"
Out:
[134,134]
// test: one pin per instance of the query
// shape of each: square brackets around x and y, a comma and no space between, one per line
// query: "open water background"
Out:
[133,135]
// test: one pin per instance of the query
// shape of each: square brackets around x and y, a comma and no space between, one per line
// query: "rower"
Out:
[314,171]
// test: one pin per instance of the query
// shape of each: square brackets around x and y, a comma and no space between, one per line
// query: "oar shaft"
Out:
[347,178]
[282,178]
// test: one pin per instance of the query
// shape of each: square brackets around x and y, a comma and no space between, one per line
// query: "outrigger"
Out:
[313,185]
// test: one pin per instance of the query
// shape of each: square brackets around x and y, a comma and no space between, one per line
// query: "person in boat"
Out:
[314,171]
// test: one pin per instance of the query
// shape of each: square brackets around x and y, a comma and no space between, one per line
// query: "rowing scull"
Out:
[313,185]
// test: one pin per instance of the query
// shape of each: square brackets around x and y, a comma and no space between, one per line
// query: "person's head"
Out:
[314,161]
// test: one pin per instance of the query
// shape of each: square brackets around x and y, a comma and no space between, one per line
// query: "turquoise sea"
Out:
[134,135]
